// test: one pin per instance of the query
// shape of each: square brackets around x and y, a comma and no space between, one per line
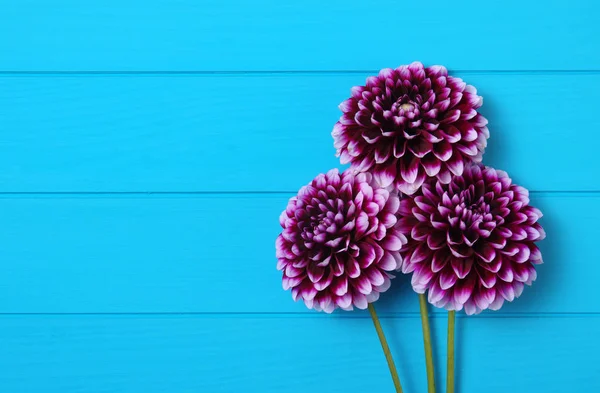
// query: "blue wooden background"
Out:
[148,147]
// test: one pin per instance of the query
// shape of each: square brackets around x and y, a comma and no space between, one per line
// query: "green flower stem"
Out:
[450,365]
[427,343]
[386,349]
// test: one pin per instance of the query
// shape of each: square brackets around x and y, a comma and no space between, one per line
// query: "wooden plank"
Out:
[70,35]
[287,355]
[217,254]
[259,133]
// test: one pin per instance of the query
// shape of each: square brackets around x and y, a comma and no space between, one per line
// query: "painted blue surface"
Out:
[148,147]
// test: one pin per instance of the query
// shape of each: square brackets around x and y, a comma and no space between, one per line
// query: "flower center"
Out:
[404,105]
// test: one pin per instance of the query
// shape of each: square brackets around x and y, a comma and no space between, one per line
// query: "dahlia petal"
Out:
[389,220]
[421,278]
[365,256]
[443,105]
[440,225]
[486,278]
[443,150]
[497,241]
[352,268]
[392,205]
[281,263]
[451,134]
[435,241]
[469,150]
[447,279]
[333,243]
[386,176]
[523,254]
[291,271]
[388,262]
[340,286]
[497,303]
[506,273]
[301,263]
[410,170]
[469,133]
[381,197]
[423,204]
[420,147]
[463,290]
[486,252]
[411,188]
[440,260]
[325,282]
[365,164]
[386,73]
[376,277]
[535,253]
[525,273]
[462,267]
[371,208]
[379,252]
[451,115]
[431,164]
[484,297]
[392,243]
[436,71]
[345,157]
[419,254]
[518,288]
[429,135]
[460,251]
[470,308]
[435,293]
[446,302]
[507,291]
[344,301]
[468,114]
[541,231]
[419,232]
[327,304]
[494,266]
[511,249]
[363,285]
[455,164]
[385,286]
[360,301]
[309,293]
[295,293]
[362,224]
[405,209]
[383,154]
[444,176]
[366,188]
[291,282]
[533,214]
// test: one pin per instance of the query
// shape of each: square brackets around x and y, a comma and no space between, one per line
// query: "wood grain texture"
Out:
[288,355]
[259,133]
[169,35]
[216,253]
[147,148]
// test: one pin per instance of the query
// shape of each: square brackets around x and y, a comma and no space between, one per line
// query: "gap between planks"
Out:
[158,194]
[280,72]
[308,314]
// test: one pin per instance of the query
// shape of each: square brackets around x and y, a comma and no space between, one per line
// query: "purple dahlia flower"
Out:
[471,243]
[339,241]
[411,123]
